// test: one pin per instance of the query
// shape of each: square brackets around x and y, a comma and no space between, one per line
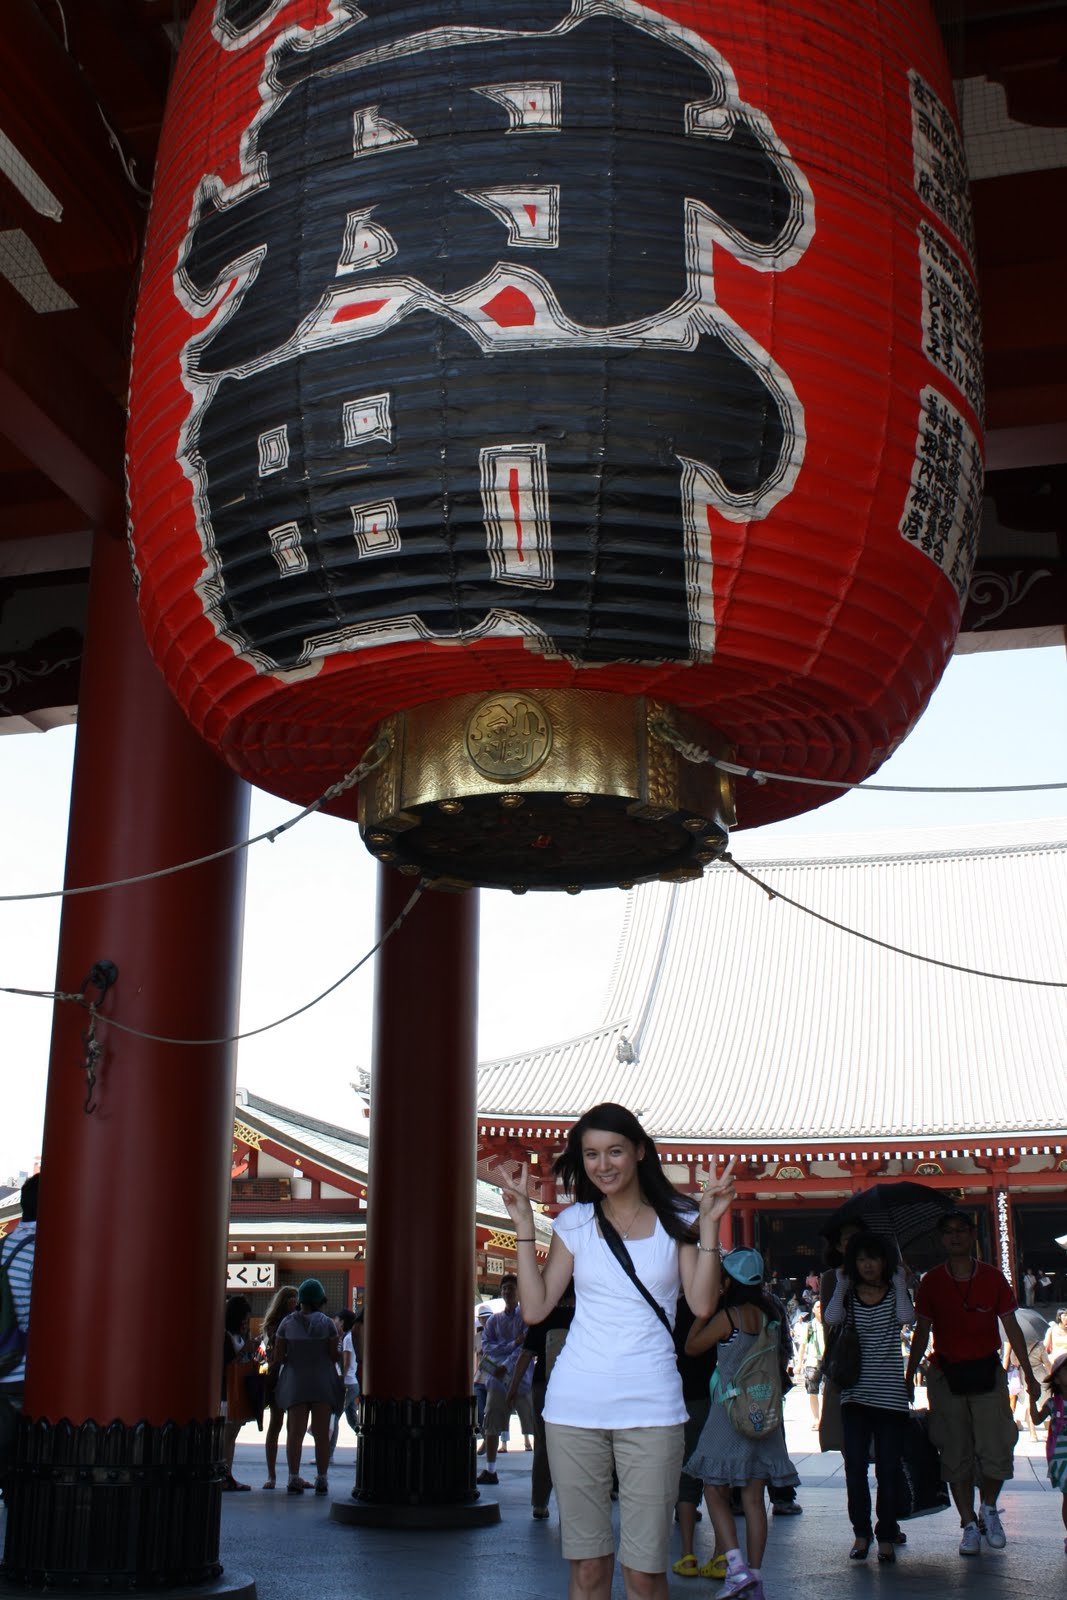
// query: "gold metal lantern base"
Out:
[558,789]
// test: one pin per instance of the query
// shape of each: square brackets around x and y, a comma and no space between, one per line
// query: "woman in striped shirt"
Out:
[872,1293]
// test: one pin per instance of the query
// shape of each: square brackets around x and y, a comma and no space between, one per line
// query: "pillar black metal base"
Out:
[369,1514]
[100,1509]
[232,1586]
[415,1467]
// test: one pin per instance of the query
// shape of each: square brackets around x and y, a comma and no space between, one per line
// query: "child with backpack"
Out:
[1055,1409]
[742,1444]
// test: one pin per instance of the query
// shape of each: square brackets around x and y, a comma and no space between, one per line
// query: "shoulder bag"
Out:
[844,1357]
[618,1249]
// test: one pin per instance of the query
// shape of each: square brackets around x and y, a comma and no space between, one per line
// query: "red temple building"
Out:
[738,1026]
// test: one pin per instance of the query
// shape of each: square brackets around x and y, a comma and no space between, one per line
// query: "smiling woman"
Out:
[614,1399]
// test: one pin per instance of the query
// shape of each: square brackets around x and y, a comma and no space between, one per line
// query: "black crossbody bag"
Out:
[616,1245]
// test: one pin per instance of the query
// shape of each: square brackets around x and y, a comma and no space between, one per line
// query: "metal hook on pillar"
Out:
[102,975]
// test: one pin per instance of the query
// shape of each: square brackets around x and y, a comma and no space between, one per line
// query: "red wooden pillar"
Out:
[416,1460]
[748,1225]
[134,1200]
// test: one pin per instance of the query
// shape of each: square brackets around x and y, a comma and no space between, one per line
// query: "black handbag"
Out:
[976,1376]
[844,1358]
[919,1489]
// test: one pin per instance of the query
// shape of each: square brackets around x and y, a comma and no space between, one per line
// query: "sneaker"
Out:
[787,1508]
[485,1476]
[740,1581]
[971,1540]
[996,1538]
[540,1513]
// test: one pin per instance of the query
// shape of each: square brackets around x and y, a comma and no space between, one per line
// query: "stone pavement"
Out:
[291,1547]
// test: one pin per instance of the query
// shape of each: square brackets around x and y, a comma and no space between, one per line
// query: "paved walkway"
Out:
[293,1549]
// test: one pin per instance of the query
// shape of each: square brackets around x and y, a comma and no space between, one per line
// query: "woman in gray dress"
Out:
[309,1384]
[725,1459]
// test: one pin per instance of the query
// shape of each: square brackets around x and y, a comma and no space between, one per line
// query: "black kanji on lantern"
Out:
[468,375]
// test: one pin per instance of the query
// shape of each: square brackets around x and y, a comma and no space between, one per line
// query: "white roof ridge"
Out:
[904,857]
[555,1044]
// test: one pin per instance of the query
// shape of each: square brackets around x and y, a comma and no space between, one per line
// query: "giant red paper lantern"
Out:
[512,377]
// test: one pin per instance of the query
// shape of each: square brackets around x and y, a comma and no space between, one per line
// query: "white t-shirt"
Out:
[617,1368]
[351,1381]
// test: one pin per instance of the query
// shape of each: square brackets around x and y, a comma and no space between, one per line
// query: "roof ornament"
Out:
[626,1052]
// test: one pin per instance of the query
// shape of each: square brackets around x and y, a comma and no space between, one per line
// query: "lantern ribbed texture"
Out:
[483,346]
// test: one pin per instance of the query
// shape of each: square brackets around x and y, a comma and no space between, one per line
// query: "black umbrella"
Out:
[1033,1324]
[902,1211]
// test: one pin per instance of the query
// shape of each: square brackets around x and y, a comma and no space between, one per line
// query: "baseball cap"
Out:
[955,1215]
[744,1266]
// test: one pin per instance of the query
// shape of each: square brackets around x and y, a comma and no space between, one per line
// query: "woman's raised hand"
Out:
[514,1180]
[717,1195]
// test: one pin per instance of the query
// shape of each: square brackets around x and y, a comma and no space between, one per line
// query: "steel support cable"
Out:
[233,1038]
[699,756]
[373,757]
[896,949]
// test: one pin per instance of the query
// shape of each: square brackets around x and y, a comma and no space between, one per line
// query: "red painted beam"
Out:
[49,112]
[57,416]
[1022,265]
[128,58]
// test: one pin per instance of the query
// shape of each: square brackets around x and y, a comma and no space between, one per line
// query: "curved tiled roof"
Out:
[748,1020]
[346,1152]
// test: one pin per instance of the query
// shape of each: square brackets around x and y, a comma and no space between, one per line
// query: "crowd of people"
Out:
[302,1370]
[668,1386]
[648,1365]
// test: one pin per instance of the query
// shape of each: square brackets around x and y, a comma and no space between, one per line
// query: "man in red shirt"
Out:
[971,1420]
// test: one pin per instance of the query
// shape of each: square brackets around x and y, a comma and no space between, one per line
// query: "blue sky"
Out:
[996,718]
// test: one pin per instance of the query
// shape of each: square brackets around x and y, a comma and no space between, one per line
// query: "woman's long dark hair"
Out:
[876,1245]
[675,1211]
[237,1309]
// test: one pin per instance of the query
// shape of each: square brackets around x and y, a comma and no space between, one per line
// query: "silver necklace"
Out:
[625,1232]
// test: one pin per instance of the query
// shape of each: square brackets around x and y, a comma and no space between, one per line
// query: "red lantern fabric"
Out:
[515,345]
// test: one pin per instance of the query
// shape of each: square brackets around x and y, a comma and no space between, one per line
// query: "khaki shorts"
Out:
[975,1434]
[498,1413]
[647,1460]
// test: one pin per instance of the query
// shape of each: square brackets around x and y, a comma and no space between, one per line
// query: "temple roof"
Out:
[748,1020]
[347,1153]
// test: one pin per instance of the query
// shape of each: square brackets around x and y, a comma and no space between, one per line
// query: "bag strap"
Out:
[4,1265]
[618,1249]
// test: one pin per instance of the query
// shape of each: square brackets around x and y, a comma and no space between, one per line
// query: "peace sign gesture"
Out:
[514,1180]
[717,1194]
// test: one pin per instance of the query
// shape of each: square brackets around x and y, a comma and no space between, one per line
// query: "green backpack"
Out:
[12,1336]
[753,1396]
